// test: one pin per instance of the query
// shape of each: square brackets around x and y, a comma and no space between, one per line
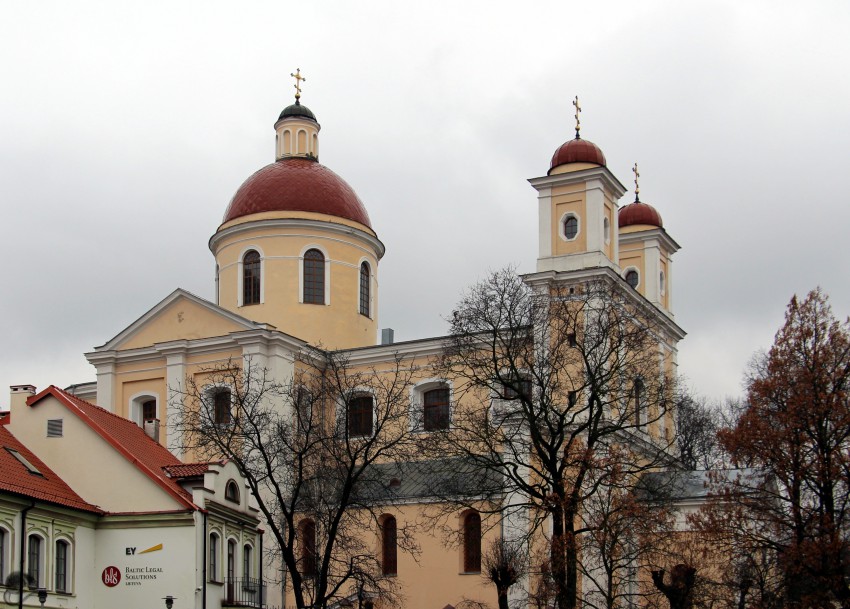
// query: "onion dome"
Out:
[297,110]
[639,213]
[297,184]
[577,151]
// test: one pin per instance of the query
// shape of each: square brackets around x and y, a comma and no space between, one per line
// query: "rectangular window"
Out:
[34,560]
[2,555]
[148,411]
[359,416]
[213,558]
[437,409]
[221,407]
[61,566]
[517,389]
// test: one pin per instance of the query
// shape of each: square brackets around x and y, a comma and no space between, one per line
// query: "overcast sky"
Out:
[125,128]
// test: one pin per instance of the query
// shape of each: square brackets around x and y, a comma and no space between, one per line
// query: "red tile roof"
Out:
[577,151]
[49,487]
[297,184]
[190,470]
[130,440]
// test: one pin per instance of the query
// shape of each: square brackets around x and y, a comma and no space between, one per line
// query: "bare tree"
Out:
[504,564]
[697,424]
[308,450]
[549,379]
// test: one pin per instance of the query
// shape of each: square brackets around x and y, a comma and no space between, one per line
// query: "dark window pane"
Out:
[34,559]
[360,416]
[364,289]
[308,548]
[437,409]
[314,277]
[221,407]
[61,566]
[632,278]
[251,278]
[389,547]
[149,410]
[514,390]
[571,227]
[472,543]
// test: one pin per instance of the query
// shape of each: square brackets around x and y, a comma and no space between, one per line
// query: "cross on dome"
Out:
[578,122]
[637,186]
[298,78]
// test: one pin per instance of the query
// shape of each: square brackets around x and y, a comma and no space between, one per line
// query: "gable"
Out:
[180,316]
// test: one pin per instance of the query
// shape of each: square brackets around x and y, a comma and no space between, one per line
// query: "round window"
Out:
[632,278]
[570,227]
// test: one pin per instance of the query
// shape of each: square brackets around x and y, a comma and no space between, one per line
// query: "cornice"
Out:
[301,223]
[583,175]
[656,233]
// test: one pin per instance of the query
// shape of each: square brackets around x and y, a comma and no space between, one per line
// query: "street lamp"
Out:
[169,601]
[42,596]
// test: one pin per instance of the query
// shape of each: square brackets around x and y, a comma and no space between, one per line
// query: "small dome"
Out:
[577,151]
[297,184]
[639,213]
[298,110]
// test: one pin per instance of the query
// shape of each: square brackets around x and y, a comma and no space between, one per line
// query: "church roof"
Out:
[297,184]
[639,213]
[35,480]
[577,151]
[297,110]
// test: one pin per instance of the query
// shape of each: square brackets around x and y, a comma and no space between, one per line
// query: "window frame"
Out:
[637,397]
[137,403]
[389,545]
[5,539]
[247,561]
[65,571]
[309,277]
[251,287]
[562,226]
[443,419]
[471,548]
[628,271]
[364,291]
[38,563]
[235,496]
[218,406]
[213,558]
[308,555]
[359,397]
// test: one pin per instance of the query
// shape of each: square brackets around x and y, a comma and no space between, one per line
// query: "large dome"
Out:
[639,213]
[297,184]
[577,151]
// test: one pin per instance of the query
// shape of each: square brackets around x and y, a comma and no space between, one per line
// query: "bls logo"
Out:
[111,576]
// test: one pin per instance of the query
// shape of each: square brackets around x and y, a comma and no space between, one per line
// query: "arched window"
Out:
[632,278]
[148,410]
[436,409]
[221,407]
[231,491]
[359,412]
[637,402]
[251,278]
[389,546]
[307,532]
[314,277]
[61,572]
[34,551]
[472,542]
[365,282]
[213,566]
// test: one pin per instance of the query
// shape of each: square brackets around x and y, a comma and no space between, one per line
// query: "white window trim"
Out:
[563,219]
[636,270]
[135,406]
[240,300]
[371,287]
[209,391]
[304,250]
[416,418]
[213,575]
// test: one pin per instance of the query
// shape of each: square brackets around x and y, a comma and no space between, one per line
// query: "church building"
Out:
[297,265]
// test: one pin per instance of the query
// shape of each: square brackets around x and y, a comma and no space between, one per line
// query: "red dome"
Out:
[639,213]
[577,151]
[297,184]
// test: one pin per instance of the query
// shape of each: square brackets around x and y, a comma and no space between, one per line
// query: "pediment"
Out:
[179,316]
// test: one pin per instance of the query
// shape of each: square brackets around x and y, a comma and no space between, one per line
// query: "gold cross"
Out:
[578,122]
[298,78]
[637,187]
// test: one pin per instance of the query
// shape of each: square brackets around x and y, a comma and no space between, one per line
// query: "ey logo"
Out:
[132,551]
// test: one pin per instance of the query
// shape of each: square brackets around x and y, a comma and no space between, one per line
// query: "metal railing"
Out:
[244,592]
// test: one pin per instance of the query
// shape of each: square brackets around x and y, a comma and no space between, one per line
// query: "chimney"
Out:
[152,429]
[18,395]
[387,336]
